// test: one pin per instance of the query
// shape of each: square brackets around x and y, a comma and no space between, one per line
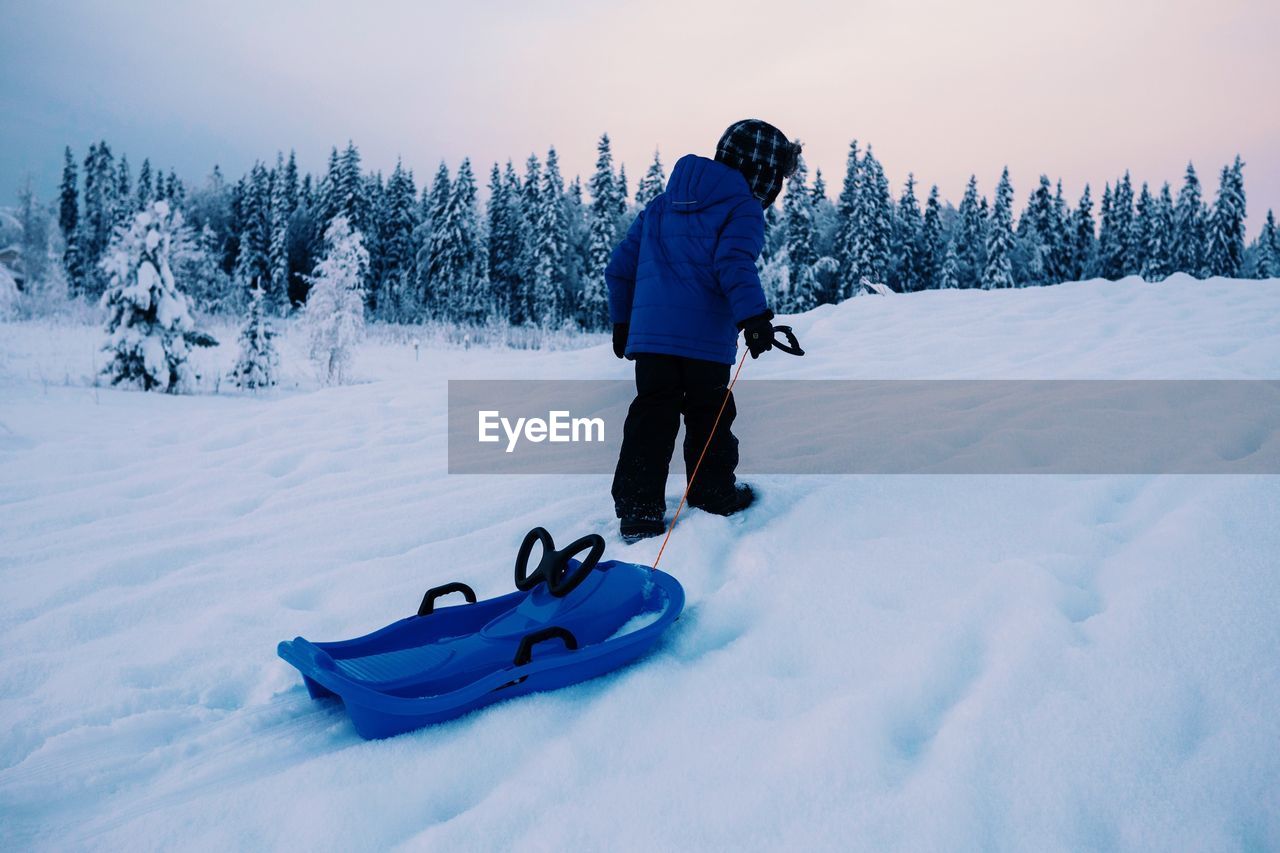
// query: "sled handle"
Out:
[429,600]
[792,346]
[525,653]
[559,582]
[524,580]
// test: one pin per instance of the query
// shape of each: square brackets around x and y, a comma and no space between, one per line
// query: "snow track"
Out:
[933,662]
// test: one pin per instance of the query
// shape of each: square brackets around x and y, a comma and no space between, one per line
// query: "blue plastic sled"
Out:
[568,621]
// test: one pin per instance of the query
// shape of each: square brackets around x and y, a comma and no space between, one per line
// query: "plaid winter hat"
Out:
[762,153]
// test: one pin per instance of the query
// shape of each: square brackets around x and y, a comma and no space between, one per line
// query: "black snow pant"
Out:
[668,386]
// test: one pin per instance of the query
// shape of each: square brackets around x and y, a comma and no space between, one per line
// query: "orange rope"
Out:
[727,391]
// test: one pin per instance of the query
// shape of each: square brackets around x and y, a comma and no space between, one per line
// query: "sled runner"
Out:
[568,621]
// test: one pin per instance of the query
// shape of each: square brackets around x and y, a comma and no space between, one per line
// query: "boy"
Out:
[681,285]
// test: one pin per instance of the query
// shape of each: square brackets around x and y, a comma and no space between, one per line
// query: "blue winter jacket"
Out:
[686,273]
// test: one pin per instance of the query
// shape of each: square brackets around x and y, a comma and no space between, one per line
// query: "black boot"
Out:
[635,529]
[727,504]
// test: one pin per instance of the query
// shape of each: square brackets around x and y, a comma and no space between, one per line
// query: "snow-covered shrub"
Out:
[334,316]
[149,325]
[256,365]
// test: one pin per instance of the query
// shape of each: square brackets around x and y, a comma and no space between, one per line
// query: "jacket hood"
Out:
[699,182]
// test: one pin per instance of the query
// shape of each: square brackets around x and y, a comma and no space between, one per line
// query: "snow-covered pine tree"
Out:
[1062,235]
[420,237]
[1120,261]
[236,203]
[349,191]
[124,209]
[1082,239]
[69,215]
[256,364]
[908,264]
[530,195]
[327,195]
[514,248]
[334,313]
[931,246]
[998,273]
[307,192]
[455,255]
[949,276]
[1106,249]
[146,189]
[284,200]
[424,201]
[95,227]
[253,263]
[1189,235]
[174,190]
[873,235]
[971,236]
[825,227]
[601,237]
[1039,231]
[303,247]
[847,211]
[622,195]
[290,191]
[819,190]
[435,202]
[373,193]
[108,186]
[68,196]
[148,318]
[398,224]
[1140,235]
[1158,232]
[652,184]
[576,255]
[438,199]
[551,247]
[797,213]
[1029,252]
[506,241]
[1226,225]
[1268,262]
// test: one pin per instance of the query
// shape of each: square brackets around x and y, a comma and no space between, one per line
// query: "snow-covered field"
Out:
[914,662]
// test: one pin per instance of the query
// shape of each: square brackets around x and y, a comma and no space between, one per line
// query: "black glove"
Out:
[620,339]
[758,333]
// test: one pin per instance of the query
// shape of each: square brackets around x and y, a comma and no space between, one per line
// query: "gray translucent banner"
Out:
[893,426]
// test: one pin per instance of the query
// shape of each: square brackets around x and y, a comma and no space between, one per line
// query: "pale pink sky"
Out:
[1080,90]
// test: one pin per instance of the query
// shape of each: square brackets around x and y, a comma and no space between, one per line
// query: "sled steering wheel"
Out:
[553,566]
